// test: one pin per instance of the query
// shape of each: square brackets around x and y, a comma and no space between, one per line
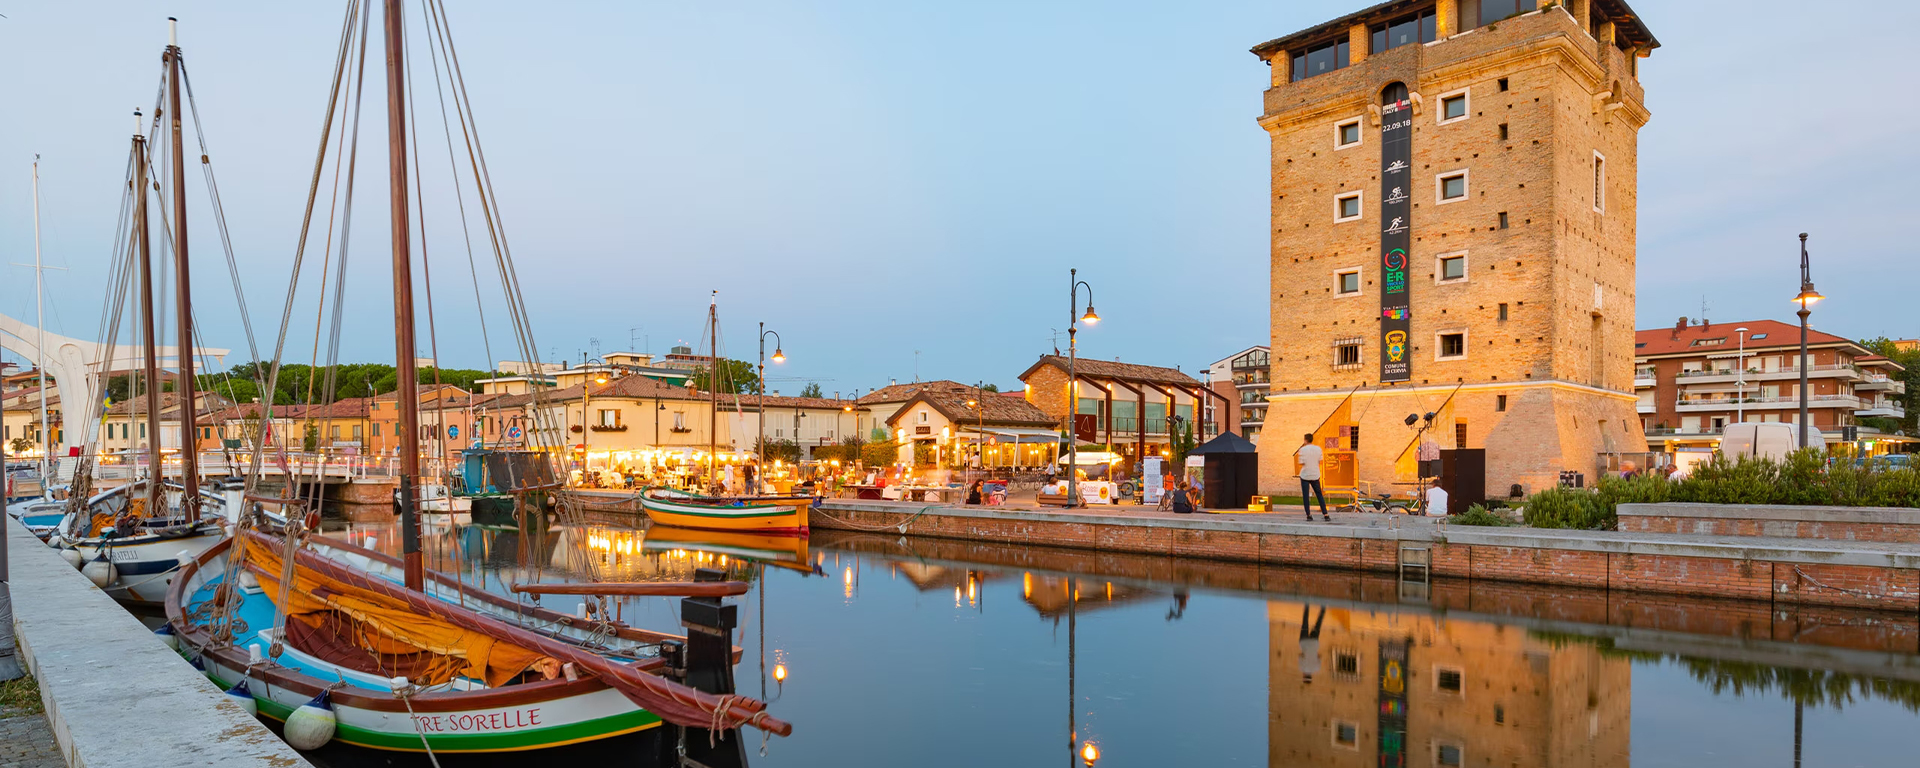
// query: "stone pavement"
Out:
[26,741]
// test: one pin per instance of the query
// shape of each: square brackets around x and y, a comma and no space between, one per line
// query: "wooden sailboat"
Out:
[721,513]
[402,659]
[134,536]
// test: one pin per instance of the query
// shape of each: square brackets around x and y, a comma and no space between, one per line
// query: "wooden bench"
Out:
[1052,500]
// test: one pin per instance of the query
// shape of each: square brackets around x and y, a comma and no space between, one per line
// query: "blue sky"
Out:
[875,178]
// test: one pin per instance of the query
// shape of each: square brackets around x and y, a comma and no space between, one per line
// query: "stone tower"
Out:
[1453,233]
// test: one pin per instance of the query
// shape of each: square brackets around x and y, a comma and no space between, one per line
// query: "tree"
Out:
[880,454]
[21,445]
[1180,443]
[1910,359]
[782,450]
[812,390]
[991,387]
[736,377]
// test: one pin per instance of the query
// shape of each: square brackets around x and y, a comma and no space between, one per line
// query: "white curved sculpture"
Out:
[77,366]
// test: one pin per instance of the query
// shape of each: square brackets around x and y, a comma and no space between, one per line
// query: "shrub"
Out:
[1565,508]
[1478,515]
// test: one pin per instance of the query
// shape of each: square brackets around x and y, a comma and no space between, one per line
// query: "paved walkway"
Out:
[26,741]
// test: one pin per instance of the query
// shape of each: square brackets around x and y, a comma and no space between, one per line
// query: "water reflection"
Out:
[963,654]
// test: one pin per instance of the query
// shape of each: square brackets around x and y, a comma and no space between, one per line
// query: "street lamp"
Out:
[1806,299]
[1740,401]
[778,357]
[1073,394]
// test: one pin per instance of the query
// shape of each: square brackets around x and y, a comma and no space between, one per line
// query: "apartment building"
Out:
[1241,380]
[1695,378]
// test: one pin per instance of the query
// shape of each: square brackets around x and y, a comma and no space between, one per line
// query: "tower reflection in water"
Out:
[1357,687]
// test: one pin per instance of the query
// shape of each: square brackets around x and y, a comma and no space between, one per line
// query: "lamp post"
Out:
[1806,299]
[778,357]
[1740,401]
[1073,394]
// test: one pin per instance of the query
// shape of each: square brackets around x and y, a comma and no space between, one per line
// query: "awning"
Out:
[1012,434]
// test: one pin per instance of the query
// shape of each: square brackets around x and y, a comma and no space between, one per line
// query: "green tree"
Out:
[1180,443]
[783,450]
[991,387]
[812,390]
[21,445]
[736,376]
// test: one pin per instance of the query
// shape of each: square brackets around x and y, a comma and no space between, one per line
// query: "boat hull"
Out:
[751,518]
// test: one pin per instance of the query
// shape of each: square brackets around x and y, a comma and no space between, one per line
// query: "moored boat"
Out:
[683,510]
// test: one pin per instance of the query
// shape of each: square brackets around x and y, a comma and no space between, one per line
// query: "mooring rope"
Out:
[899,526]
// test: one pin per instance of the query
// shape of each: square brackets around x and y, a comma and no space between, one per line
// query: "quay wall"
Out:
[115,695]
[1877,575]
[1883,524]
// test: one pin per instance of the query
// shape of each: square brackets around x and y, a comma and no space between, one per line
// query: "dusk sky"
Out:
[900,188]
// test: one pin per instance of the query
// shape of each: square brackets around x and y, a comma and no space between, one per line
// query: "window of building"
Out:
[1503,219]
[1709,342]
[1451,186]
[1599,182]
[1348,281]
[1503,131]
[1503,311]
[609,417]
[1758,336]
[1346,356]
[1459,434]
[1495,10]
[1346,734]
[1452,345]
[1447,755]
[1450,268]
[1448,679]
[376,429]
[923,417]
[680,420]
[333,432]
[1320,60]
[1453,106]
[1346,134]
[356,432]
[1503,83]
[1500,403]
[1406,30]
[1346,664]
[1346,207]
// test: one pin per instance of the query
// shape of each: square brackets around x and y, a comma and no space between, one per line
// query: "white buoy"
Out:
[311,726]
[72,556]
[239,694]
[166,635]
[100,571]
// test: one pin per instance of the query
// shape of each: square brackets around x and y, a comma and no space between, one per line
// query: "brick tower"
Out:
[1453,233]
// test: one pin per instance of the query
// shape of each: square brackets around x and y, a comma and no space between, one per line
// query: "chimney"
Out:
[1679,326]
[1705,324]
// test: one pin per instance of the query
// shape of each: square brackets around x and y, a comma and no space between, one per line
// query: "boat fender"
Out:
[166,635]
[100,570]
[73,557]
[253,655]
[248,581]
[239,694]
[184,558]
[311,726]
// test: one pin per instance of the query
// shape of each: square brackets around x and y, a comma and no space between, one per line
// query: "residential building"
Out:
[1241,380]
[808,422]
[1694,379]
[442,407]
[877,407]
[625,415]
[1130,407]
[974,428]
[125,427]
[1453,223]
[681,357]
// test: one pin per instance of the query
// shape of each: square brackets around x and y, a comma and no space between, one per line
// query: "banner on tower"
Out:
[1396,215]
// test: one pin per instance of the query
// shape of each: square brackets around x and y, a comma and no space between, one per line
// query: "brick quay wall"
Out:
[1858,574]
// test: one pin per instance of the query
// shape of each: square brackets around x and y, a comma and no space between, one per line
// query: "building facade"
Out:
[1453,211]
[1696,378]
[1131,408]
[1241,381]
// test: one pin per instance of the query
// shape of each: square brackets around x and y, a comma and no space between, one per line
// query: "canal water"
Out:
[901,651]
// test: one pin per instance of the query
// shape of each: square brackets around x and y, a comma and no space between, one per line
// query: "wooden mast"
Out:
[148,342]
[713,387]
[189,432]
[408,394]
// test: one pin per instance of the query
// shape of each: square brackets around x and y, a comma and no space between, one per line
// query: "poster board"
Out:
[1150,481]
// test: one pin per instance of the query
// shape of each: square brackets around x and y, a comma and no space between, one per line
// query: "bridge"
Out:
[78,366]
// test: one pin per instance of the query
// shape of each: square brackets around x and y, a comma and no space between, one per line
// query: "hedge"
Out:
[1802,478]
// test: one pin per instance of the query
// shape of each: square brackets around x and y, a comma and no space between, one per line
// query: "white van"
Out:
[1768,440]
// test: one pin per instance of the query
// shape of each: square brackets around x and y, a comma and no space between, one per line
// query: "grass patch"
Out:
[20,697]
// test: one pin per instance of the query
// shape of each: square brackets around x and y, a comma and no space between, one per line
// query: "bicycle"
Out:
[1367,501]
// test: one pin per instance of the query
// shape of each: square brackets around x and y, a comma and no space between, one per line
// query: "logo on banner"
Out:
[1394,313]
[1396,346]
[1394,277]
[1396,196]
[1396,166]
[1396,226]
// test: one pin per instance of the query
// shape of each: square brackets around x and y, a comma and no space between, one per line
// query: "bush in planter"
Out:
[1479,515]
[1563,508]
[1611,492]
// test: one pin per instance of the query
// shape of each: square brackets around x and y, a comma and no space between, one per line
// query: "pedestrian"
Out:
[1310,457]
[1183,500]
[1310,643]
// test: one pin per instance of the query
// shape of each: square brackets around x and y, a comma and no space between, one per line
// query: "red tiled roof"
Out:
[996,411]
[1771,333]
[1114,369]
[900,393]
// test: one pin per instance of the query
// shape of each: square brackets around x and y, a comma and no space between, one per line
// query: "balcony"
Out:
[1766,403]
[1684,432]
[1888,410]
[1872,383]
[1644,381]
[1645,407]
[1835,371]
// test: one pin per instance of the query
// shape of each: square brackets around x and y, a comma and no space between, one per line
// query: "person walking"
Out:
[1310,457]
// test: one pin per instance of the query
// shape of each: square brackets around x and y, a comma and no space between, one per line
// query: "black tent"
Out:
[1232,473]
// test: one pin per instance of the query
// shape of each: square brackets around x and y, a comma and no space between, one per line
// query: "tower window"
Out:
[1346,207]
[1321,60]
[1348,281]
[1503,312]
[1503,84]
[1495,10]
[1453,345]
[1452,186]
[1407,30]
[1503,131]
[1599,182]
[1453,106]
[1450,267]
[1503,219]
[1346,356]
[1500,403]
[1346,134]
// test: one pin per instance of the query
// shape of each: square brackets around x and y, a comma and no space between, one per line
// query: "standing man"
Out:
[1310,456]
